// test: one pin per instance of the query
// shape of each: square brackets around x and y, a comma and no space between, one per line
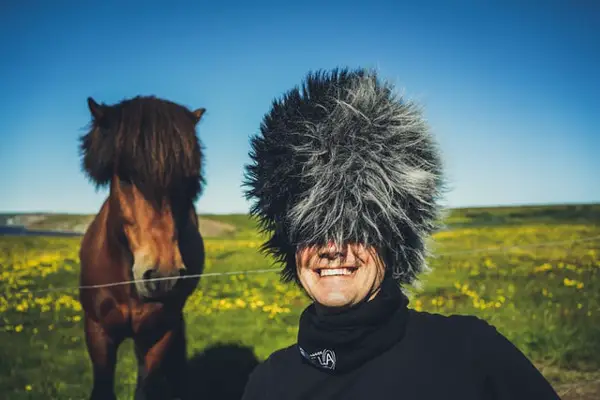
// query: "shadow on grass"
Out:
[220,372]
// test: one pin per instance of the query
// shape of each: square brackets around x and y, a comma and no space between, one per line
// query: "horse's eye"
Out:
[122,237]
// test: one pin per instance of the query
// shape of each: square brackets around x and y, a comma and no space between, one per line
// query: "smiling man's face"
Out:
[340,277]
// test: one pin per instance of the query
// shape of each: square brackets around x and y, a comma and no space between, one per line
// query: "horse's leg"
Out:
[175,363]
[102,349]
[162,365]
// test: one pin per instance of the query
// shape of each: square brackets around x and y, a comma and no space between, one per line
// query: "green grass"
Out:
[545,299]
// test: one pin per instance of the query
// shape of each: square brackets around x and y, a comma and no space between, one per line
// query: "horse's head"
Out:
[146,150]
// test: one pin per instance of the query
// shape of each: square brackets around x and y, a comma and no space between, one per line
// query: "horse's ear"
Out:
[198,113]
[96,109]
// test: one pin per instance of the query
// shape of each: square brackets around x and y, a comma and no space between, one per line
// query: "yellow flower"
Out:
[240,303]
[543,267]
[568,282]
[28,388]
[418,305]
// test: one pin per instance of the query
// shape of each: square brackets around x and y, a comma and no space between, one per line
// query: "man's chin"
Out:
[334,300]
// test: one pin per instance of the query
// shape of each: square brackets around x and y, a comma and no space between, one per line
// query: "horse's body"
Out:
[146,230]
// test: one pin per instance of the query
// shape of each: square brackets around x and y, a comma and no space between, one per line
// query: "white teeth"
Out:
[336,271]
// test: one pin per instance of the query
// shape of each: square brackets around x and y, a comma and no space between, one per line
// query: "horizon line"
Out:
[473,206]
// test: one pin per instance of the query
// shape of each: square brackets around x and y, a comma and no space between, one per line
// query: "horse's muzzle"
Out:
[156,283]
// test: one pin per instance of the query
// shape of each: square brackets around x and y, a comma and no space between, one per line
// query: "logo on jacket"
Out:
[324,358]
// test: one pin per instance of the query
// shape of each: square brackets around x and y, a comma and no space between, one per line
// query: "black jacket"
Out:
[438,357]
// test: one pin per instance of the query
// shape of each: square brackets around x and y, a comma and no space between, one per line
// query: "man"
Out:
[347,180]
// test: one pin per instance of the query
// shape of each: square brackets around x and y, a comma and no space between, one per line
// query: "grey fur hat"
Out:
[345,159]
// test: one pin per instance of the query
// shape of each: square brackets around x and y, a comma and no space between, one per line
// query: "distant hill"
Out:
[242,226]
[550,214]
[209,226]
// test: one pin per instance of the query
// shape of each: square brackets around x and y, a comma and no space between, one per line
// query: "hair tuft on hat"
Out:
[345,159]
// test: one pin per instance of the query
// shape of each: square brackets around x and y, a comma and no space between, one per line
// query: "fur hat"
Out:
[344,159]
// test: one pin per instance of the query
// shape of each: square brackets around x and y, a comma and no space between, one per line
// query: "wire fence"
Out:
[271,270]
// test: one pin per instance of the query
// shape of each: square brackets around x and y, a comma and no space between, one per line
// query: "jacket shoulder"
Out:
[506,370]
[456,326]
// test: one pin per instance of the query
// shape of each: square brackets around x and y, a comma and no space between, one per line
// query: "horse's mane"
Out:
[147,141]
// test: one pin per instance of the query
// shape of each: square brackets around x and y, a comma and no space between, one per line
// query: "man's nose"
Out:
[332,252]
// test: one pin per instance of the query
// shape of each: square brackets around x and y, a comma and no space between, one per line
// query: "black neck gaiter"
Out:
[340,342]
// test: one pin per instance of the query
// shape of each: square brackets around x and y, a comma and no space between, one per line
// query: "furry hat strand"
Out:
[344,159]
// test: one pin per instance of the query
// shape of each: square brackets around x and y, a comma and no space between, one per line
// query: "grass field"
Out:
[546,299]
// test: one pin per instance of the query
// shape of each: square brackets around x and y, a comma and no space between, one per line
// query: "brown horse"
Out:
[146,150]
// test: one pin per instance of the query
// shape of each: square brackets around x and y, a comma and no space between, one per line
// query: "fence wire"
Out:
[270,270]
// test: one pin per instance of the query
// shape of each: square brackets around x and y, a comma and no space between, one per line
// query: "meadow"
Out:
[533,272]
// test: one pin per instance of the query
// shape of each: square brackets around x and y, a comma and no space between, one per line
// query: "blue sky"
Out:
[510,90]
